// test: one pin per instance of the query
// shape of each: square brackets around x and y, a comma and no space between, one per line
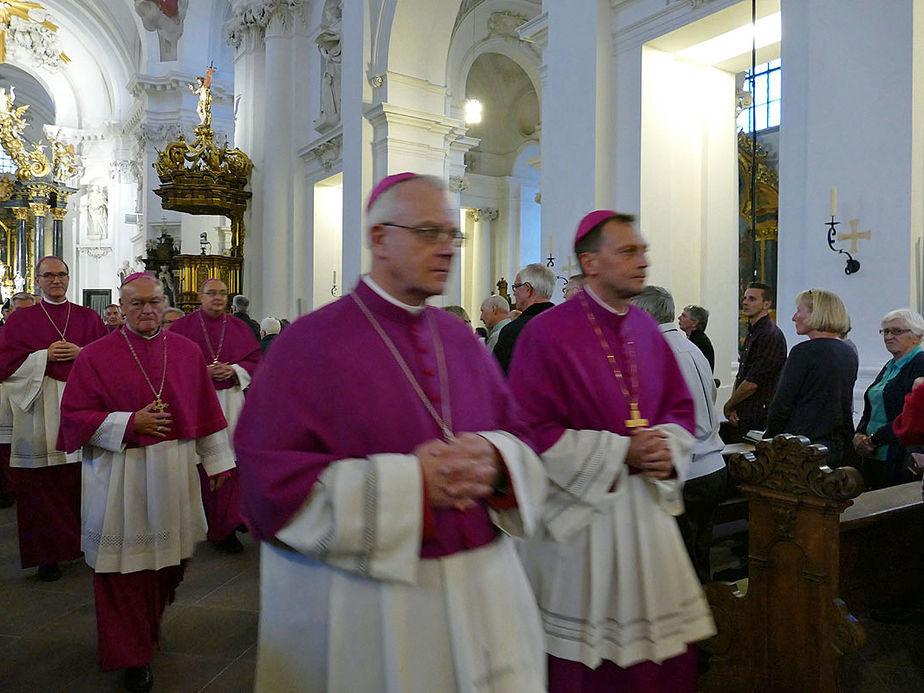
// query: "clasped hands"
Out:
[150,422]
[62,351]
[459,472]
[650,453]
[221,372]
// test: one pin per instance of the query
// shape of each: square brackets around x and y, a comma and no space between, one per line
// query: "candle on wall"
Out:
[551,242]
[833,202]
[335,277]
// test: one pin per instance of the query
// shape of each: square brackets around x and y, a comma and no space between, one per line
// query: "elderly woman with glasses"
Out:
[814,397]
[885,457]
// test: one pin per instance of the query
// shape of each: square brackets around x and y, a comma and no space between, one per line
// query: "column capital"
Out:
[58,213]
[39,209]
[21,213]
[483,214]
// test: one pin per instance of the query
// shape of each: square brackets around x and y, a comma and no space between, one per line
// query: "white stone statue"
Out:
[98,212]
[329,45]
[19,282]
[169,29]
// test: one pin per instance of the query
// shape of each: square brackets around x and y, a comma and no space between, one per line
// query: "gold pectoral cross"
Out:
[159,405]
[636,420]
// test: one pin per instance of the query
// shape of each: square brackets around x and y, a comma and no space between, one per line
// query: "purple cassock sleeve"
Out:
[30,329]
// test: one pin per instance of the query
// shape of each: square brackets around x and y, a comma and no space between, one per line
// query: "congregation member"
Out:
[7,495]
[495,314]
[269,330]
[814,397]
[886,460]
[232,354]
[460,313]
[707,479]
[575,282]
[239,306]
[532,290]
[384,465]
[613,419]
[760,365]
[170,316]
[112,317]
[38,346]
[693,321]
[141,404]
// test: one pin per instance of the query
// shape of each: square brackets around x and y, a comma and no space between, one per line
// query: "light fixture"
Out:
[766,31]
[472,111]
[204,244]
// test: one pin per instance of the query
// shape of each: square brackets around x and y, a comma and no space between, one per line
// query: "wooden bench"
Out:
[791,629]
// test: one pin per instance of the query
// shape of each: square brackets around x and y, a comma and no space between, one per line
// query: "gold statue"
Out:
[203,89]
[12,123]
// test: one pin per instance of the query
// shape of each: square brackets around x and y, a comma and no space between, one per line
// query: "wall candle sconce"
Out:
[853,266]
[204,242]
[333,289]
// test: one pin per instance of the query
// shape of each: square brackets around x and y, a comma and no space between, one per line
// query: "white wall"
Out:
[328,241]
[689,174]
[847,122]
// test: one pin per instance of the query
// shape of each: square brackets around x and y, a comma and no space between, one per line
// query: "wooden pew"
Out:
[791,629]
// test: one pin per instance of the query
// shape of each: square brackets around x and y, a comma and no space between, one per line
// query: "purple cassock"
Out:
[131,592]
[48,494]
[591,578]
[230,341]
[330,389]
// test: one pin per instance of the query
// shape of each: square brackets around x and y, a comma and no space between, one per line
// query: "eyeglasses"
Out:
[53,275]
[517,286]
[885,332]
[213,292]
[432,234]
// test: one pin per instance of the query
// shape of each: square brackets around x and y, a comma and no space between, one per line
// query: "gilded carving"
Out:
[32,163]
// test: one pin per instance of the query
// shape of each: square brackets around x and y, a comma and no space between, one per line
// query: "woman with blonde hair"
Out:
[815,395]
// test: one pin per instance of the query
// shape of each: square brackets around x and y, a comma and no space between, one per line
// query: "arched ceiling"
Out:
[510,116]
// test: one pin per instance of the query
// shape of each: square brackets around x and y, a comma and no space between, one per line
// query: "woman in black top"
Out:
[815,395]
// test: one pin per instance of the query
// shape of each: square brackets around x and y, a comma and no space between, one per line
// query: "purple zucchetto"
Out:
[387,183]
[138,275]
[592,220]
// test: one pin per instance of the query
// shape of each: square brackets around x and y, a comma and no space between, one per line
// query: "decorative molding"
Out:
[376,81]
[169,29]
[248,27]
[327,152]
[125,171]
[457,184]
[94,251]
[483,214]
[36,43]
[506,24]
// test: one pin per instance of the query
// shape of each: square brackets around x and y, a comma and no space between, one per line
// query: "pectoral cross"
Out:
[635,420]
[854,235]
[159,405]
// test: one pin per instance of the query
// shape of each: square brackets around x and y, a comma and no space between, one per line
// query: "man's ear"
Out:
[588,263]
[376,237]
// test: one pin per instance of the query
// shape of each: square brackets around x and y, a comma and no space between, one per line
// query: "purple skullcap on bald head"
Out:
[592,220]
[138,275]
[386,184]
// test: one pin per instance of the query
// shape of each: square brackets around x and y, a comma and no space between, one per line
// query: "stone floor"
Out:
[48,630]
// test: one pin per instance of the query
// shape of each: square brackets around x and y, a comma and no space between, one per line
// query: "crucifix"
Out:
[854,235]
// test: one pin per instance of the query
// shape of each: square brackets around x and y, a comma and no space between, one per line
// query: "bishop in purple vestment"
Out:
[38,346]
[232,354]
[603,393]
[141,403]
[383,463]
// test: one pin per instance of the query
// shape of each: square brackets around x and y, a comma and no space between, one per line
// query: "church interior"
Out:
[755,140]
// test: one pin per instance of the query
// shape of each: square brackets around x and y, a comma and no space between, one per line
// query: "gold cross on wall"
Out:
[572,267]
[854,235]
